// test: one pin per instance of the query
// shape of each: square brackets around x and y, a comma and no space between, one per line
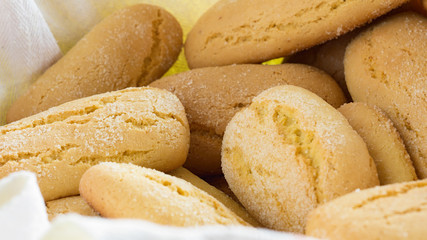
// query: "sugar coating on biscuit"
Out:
[129,191]
[383,141]
[386,66]
[145,126]
[74,204]
[397,211]
[290,151]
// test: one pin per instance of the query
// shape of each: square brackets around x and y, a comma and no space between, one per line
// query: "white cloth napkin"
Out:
[70,227]
[22,209]
[27,48]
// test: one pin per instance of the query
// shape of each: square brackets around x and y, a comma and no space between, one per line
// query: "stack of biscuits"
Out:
[331,143]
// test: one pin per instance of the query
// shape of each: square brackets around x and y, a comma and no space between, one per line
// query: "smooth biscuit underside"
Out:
[94,116]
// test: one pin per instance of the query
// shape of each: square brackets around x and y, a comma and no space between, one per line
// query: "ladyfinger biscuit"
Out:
[221,184]
[129,191]
[386,66]
[237,208]
[74,204]
[253,31]
[397,211]
[383,141]
[211,96]
[289,152]
[144,126]
[130,48]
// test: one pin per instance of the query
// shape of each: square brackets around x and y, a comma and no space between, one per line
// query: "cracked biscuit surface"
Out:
[397,211]
[253,31]
[386,66]
[132,47]
[212,95]
[129,191]
[144,126]
[290,151]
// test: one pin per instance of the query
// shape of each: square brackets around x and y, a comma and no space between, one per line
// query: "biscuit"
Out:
[130,48]
[211,96]
[269,29]
[290,151]
[386,66]
[74,204]
[144,126]
[129,191]
[221,184]
[234,206]
[397,211]
[383,141]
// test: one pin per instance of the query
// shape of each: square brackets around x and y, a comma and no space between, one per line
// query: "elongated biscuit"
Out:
[253,31]
[211,96]
[397,211]
[129,191]
[386,66]
[383,141]
[144,126]
[73,204]
[289,152]
[130,48]
[234,206]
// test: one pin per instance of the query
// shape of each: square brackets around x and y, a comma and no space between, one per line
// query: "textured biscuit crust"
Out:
[74,204]
[144,126]
[397,211]
[211,96]
[234,206]
[290,151]
[129,191]
[386,66]
[252,31]
[384,143]
[130,48]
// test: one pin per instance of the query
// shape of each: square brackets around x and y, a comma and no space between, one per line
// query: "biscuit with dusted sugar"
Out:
[397,211]
[74,204]
[129,191]
[384,143]
[234,206]
[289,152]
[211,96]
[253,31]
[144,126]
[386,66]
[132,47]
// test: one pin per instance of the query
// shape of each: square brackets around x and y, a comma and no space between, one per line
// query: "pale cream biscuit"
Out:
[132,47]
[144,126]
[383,141]
[289,152]
[234,206]
[211,96]
[397,211]
[386,66]
[129,191]
[253,31]
[74,204]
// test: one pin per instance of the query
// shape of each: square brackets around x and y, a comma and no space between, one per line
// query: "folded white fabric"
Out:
[27,48]
[70,227]
[22,209]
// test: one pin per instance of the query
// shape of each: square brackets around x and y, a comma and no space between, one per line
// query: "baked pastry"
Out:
[73,204]
[289,152]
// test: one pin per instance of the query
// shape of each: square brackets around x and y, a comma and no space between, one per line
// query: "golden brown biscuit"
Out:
[269,29]
[383,141]
[211,96]
[219,182]
[386,66]
[290,151]
[130,48]
[74,204]
[236,207]
[397,211]
[144,126]
[129,191]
